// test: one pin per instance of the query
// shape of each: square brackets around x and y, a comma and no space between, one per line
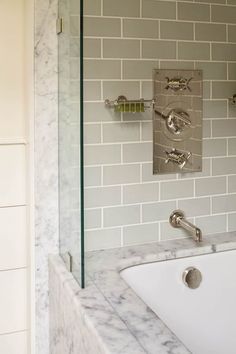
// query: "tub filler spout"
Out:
[177,219]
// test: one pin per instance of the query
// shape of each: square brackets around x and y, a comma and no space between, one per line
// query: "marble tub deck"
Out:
[117,320]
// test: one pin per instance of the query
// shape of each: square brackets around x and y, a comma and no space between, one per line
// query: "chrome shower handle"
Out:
[178,157]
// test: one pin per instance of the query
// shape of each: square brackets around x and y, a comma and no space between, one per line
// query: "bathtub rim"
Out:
[104,276]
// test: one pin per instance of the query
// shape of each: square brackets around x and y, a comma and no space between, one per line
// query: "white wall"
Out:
[15,65]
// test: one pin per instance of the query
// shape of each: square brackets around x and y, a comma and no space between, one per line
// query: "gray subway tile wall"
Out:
[124,41]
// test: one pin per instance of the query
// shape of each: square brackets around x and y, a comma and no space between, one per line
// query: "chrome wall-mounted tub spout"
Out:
[177,219]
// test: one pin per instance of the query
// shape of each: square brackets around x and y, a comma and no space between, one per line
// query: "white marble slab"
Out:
[108,309]
[46,159]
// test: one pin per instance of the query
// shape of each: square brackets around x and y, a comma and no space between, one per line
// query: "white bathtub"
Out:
[204,319]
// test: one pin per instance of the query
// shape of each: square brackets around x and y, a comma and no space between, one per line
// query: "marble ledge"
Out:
[117,318]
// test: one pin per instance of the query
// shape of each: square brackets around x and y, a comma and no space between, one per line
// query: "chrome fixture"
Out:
[178,157]
[177,219]
[232,99]
[177,121]
[192,277]
[178,84]
[123,105]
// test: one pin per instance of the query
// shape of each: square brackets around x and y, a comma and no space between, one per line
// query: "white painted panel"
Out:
[13,241]
[13,300]
[12,69]
[15,343]
[12,175]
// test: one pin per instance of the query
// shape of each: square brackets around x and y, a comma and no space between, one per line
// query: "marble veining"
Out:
[46,161]
[111,312]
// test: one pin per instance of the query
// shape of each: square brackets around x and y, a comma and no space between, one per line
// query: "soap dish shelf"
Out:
[123,105]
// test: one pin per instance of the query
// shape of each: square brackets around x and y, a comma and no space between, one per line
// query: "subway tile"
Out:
[92,90]
[176,189]
[210,186]
[102,239]
[223,89]
[176,30]
[224,166]
[97,112]
[206,129]
[121,174]
[121,8]
[147,89]
[102,154]
[206,170]
[148,176]
[92,176]
[138,28]
[158,211]
[214,147]
[93,218]
[137,152]
[121,132]
[92,133]
[231,110]
[224,14]
[158,49]
[232,184]
[92,7]
[102,69]
[232,33]
[224,203]
[169,232]
[210,32]
[172,64]
[146,131]
[223,127]
[232,222]
[139,234]
[212,224]
[121,48]
[226,52]
[140,193]
[159,9]
[215,109]
[102,27]
[113,89]
[206,89]
[134,69]
[232,146]
[92,48]
[102,196]
[195,206]
[213,70]
[194,51]
[193,12]
[123,215]
[232,71]
[214,1]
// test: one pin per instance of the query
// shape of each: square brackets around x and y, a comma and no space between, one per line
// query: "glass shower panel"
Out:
[70,64]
